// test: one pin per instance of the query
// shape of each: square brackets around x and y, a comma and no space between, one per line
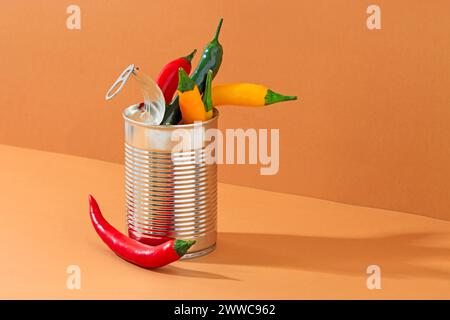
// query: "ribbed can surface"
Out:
[169,192]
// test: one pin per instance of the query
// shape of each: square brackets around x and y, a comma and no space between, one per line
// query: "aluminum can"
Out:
[170,192]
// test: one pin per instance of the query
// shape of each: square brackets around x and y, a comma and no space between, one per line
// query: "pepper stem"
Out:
[184,82]
[273,97]
[216,36]
[207,98]
[190,56]
[182,246]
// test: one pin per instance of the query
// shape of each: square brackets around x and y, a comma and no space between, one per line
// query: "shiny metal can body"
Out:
[170,193]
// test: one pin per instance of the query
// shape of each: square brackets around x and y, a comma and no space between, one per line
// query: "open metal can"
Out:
[170,193]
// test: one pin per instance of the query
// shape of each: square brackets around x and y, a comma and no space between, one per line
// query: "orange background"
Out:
[371,127]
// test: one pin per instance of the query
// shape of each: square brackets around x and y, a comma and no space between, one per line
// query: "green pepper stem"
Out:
[184,82]
[216,36]
[190,56]
[273,97]
[182,246]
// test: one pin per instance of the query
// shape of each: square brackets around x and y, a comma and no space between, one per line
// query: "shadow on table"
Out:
[403,255]
[176,271]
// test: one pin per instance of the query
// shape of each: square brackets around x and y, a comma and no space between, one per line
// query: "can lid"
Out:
[119,83]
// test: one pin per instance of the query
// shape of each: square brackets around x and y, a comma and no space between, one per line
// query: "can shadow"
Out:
[400,255]
[182,272]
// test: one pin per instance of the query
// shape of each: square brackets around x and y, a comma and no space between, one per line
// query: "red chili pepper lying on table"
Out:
[167,79]
[133,251]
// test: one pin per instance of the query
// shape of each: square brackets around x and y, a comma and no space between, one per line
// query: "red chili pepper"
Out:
[168,77]
[133,251]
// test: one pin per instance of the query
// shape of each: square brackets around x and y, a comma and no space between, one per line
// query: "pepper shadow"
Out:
[176,271]
[401,255]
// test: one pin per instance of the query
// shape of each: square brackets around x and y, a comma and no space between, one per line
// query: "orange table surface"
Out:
[270,245]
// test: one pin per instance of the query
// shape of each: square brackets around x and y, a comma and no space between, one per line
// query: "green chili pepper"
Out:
[207,96]
[211,60]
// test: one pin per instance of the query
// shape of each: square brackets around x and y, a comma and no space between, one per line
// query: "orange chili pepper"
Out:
[191,104]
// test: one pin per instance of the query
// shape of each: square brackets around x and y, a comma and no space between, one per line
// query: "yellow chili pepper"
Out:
[191,104]
[246,94]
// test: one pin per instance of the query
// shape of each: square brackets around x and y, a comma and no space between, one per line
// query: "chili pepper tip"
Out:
[191,55]
[93,203]
[91,199]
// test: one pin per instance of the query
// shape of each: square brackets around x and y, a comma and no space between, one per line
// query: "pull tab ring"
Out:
[118,84]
